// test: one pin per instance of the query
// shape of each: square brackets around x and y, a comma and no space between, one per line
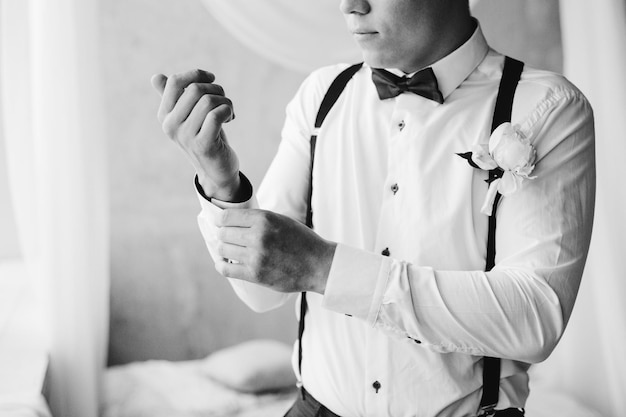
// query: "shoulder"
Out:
[317,83]
[309,96]
[537,89]
[542,97]
[542,93]
[552,112]
[548,108]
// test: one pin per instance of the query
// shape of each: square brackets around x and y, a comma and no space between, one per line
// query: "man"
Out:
[400,309]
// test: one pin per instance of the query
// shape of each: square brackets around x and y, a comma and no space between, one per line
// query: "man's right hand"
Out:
[191,113]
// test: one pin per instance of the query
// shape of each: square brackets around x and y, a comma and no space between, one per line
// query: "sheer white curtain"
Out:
[590,364]
[587,372]
[52,114]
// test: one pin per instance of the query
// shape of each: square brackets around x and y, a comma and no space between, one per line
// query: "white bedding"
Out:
[179,389]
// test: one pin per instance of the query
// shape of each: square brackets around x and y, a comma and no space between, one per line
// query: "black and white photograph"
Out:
[333,208]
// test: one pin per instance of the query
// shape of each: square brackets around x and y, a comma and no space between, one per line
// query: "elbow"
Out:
[539,353]
[538,322]
[542,338]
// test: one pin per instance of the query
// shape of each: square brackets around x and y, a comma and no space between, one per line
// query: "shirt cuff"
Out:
[213,204]
[356,283]
[246,192]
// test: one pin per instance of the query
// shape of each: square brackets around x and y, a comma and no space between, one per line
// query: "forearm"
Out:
[510,313]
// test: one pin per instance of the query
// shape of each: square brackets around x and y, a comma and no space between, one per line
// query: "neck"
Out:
[456,31]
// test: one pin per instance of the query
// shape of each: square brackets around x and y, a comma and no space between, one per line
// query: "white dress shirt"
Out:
[416,323]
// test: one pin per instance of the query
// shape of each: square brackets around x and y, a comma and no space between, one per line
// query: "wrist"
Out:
[223,191]
[324,263]
[236,190]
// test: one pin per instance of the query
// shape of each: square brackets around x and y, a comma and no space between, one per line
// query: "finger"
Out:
[199,89]
[236,253]
[158,82]
[192,94]
[175,86]
[240,236]
[231,270]
[239,217]
[214,119]
[209,107]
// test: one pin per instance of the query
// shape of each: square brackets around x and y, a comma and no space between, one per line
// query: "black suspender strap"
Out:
[333,93]
[504,104]
[511,74]
[329,100]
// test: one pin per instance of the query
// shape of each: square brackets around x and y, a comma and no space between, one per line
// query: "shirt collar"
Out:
[455,67]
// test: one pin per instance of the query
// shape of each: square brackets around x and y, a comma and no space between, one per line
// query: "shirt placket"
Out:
[398,201]
[377,383]
[392,190]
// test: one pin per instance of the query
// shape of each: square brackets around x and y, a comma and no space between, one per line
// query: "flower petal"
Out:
[504,129]
[509,183]
[511,150]
[487,207]
[481,157]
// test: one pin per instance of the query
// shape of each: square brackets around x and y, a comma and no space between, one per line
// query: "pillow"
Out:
[254,366]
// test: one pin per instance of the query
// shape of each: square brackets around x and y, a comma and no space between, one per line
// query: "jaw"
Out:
[389,59]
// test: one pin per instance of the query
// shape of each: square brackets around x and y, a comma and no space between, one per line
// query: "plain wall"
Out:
[167,301]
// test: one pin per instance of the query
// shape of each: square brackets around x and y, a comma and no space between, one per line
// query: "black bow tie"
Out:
[423,83]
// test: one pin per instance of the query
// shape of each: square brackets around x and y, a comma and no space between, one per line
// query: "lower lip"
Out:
[365,36]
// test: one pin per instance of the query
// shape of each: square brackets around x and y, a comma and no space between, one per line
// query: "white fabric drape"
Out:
[300,36]
[589,363]
[52,114]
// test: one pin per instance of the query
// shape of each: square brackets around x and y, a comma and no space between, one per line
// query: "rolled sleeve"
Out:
[356,283]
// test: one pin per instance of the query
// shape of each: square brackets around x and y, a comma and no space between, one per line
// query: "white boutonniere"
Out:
[510,155]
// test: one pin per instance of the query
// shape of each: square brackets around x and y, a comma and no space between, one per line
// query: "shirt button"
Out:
[401,125]
[376,386]
[385,252]
[395,188]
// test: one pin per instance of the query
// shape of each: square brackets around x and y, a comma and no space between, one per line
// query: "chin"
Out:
[375,60]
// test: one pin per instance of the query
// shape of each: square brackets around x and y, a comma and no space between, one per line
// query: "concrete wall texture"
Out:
[167,301]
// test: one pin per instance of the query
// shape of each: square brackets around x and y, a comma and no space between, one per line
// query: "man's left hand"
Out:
[272,250]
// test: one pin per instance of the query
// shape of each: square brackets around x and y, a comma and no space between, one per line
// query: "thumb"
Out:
[158,82]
